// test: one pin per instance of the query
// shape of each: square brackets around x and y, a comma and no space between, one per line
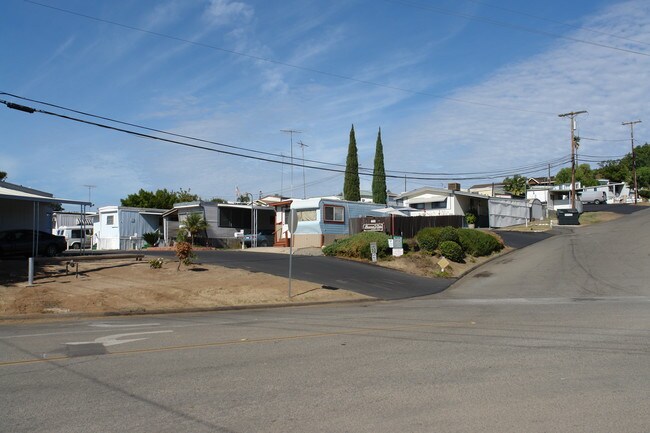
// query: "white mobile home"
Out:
[121,228]
[430,201]
[322,220]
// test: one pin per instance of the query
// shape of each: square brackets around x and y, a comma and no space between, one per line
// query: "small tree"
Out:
[195,223]
[184,254]
[379,174]
[515,185]
[351,185]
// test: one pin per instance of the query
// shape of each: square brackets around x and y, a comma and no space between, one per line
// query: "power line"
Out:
[531,168]
[537,17]
[513,26]
[362,170]
[286,64]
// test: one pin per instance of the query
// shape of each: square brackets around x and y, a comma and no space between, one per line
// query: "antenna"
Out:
[304,182]
[90,187]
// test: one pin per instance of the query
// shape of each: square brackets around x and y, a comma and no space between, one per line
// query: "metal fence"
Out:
[403,226]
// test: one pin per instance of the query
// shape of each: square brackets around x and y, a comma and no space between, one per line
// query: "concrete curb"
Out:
[70,316]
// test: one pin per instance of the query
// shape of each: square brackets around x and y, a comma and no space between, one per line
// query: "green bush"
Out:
[452,251]
[428,239]
[449,233]
[358,246]
[644,193]
[151,238]
[477,243]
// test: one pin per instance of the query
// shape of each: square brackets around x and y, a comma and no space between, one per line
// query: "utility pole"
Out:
[572,115]
[632,123]
[304,182]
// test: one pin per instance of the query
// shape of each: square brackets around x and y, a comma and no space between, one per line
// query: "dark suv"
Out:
[20,243]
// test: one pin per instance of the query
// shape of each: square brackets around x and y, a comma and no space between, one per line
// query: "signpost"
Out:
[373,251]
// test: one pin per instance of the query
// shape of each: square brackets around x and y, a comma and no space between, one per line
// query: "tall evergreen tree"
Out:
[351,187]
[379,173]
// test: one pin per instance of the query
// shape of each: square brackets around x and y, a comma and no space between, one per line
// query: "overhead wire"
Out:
[512,26]
[286,64]
[562,23]
[297,161]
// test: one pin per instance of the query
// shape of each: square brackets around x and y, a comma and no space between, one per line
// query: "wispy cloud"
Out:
[222,12]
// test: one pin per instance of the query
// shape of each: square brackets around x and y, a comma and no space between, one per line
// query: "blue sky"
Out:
[457,87]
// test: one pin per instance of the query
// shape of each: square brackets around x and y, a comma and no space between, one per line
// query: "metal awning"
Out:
[12,194]
[435,199]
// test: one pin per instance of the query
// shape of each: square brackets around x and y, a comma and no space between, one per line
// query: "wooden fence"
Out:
[403,226]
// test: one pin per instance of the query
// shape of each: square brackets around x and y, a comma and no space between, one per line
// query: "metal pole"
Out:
[290,249]
[636,190]
[30,271]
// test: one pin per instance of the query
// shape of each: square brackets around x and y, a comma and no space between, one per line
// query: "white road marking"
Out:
[112,340]
[112,325]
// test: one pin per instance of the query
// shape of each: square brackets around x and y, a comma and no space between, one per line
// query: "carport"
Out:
[20,205]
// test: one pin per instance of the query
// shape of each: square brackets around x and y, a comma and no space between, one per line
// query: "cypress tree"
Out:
[351,186]
[379,174]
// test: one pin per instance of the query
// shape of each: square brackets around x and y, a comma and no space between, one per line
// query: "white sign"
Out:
[373,227]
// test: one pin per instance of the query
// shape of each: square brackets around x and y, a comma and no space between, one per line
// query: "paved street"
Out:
[553,337]
[365,278]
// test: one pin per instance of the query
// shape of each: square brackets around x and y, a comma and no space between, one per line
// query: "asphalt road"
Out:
[555,337]
[365,278]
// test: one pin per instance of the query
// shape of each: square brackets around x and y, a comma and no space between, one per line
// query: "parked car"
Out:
[76,236]
[264,238]
[20,243]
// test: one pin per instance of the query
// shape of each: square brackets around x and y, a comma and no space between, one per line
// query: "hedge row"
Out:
[473,242]
[358,246]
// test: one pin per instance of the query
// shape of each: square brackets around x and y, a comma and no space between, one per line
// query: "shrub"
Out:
[452,251]
[428,239]
[644,193]
[470,218]
[410,246]
[478,243]
[151,238]
[358,246]
[184,254]
[156,263]
[449,233]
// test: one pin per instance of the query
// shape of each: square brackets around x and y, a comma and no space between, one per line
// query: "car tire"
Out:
[264,244]
[75,246]
[51,250]
[596,201]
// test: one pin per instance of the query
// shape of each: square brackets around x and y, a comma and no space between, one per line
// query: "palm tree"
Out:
[195,223]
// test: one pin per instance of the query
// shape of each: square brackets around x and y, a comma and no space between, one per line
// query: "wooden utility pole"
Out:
[572,115]
[636,191]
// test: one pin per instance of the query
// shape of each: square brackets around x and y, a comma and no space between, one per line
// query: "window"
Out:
[110,220]
[417,206]
[306,215]
[439,204]
[334,214]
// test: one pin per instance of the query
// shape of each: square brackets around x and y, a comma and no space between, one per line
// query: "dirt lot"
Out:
[128,285]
